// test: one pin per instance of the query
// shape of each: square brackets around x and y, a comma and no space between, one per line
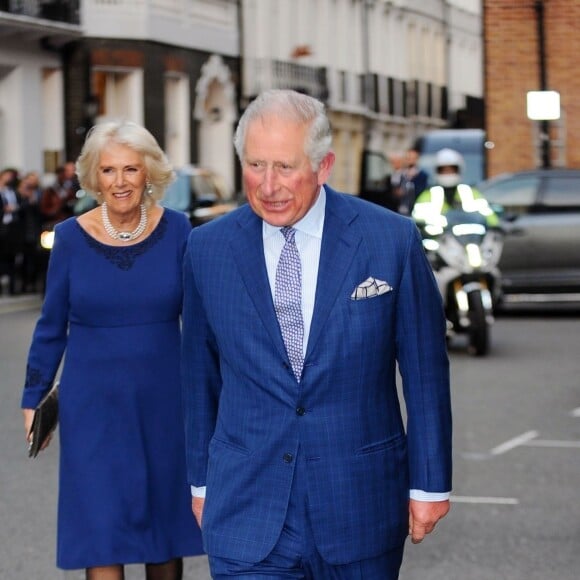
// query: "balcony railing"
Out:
[273,74]
[66,11]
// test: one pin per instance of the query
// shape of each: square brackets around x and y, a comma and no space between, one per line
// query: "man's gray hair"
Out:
[294,107]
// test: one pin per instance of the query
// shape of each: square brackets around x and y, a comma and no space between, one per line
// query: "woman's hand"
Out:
[28,416]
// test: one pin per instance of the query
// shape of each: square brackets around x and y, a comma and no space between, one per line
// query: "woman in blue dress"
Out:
[112,310]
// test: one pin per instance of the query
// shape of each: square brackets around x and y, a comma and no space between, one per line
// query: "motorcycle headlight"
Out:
[430,244]
[433,229]
[47,240]
[454,253]
[468,229]
[474,255]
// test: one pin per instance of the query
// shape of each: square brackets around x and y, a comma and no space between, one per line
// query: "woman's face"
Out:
[121,178]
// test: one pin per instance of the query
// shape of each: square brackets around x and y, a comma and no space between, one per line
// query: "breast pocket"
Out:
[369,321]
[376,309]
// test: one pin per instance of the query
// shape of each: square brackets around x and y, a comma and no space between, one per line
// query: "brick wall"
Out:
[512,68]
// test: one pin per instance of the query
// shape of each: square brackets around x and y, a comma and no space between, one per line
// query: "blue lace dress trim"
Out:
[34,378]
[124,256]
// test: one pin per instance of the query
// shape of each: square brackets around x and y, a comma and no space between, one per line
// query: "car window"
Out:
[204,188]
[515,194]
[562,191]
[177,195]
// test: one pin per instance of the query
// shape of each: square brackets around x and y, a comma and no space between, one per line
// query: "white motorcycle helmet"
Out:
[448,167]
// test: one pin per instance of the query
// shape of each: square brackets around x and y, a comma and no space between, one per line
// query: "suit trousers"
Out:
[295,555]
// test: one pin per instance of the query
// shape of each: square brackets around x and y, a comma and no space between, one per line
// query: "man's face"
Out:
[412,157]
[278,179]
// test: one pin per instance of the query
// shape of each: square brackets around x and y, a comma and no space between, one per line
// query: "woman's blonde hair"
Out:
[158,170]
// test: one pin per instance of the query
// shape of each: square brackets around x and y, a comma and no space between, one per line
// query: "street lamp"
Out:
[544,106]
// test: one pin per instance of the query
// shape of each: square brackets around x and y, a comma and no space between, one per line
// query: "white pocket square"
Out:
[370,288]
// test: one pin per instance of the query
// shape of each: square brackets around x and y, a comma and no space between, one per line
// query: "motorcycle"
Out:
[464,253]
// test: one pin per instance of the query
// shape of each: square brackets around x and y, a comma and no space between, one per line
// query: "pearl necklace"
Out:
[123,236]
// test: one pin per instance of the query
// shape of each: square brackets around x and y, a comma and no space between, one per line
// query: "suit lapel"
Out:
[340,242]
[248,251]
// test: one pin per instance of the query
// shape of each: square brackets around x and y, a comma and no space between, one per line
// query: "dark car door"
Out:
[556,231]
[542,215]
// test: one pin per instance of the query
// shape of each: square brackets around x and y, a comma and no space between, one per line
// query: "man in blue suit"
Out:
[299,308]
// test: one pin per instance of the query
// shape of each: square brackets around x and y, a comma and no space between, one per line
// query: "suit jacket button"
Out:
[288,457]
[300,411]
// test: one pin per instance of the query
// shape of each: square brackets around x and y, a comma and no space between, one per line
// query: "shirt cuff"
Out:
[420,495]
[197,491]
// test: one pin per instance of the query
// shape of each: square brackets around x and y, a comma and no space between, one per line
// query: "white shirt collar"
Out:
[311,224]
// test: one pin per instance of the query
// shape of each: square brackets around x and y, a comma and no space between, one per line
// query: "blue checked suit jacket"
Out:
[240,396]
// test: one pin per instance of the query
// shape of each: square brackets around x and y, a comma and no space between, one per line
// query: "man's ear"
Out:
[325,167]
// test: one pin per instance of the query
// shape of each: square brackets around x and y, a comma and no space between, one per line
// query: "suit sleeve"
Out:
[201,381]
[424,367]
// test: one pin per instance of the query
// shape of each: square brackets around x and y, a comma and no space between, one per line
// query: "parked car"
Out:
[540,262]
[199,193]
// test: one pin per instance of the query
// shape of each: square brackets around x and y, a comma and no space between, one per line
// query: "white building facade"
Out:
[32,116]
[168,64]
[176,50]
[388,71]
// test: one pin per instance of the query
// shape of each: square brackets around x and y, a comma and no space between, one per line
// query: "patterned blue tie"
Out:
[287,300]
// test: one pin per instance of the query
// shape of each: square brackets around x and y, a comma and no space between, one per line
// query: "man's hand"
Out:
[423,515]
[197,508]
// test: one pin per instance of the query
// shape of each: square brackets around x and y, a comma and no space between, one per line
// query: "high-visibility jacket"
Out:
[431,205]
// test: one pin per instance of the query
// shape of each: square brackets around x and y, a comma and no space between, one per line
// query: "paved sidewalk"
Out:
[20,302]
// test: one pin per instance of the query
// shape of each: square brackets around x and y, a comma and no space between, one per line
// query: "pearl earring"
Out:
[148,188]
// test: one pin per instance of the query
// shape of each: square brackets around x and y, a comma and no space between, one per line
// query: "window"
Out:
[119,93]
[514,194]
[177,118]
[562,191]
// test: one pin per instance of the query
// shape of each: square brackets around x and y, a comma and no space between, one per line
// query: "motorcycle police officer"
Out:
[455,221]
[432,204]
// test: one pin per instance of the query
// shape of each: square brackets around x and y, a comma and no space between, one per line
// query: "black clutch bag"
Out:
[44,421]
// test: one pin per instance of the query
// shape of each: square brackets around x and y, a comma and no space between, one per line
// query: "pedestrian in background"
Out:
[396,181]
[298,308]
[9,228]
[415,181]
[59,198]
[113,304]
[449,192]
[30,228]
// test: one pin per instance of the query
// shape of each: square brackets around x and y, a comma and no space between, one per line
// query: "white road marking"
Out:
[18,304]
[484,500]
[576,412]
[553,443]
[515,442]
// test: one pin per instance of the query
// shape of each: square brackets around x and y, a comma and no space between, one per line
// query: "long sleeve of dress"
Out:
[50,335]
